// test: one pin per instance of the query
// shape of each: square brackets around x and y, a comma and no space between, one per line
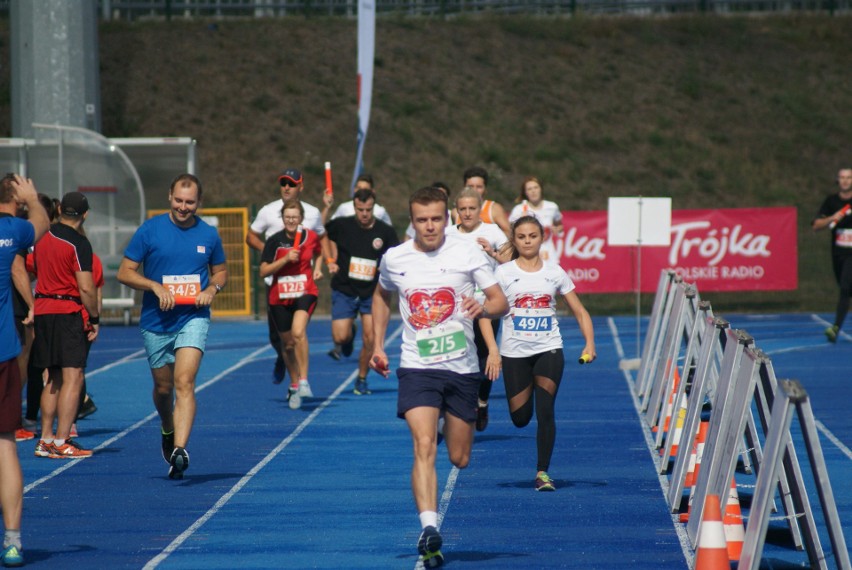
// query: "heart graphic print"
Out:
[431,308]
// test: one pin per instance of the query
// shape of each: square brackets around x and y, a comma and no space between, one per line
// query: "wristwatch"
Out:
[218,287]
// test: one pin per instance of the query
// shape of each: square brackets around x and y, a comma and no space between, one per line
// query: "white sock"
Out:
[428,518]
[58,442]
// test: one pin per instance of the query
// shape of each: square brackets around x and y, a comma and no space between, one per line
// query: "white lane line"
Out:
[680,529]
[223,500]
[70,463]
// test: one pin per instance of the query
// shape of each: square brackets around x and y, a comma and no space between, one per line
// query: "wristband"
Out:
[94,320]
[330,260]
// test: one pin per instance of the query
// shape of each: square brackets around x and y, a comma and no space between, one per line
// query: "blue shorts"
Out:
[345,307]
[456,393]
[161,347]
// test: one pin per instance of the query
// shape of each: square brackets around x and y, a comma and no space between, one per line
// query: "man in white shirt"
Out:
[268,222]
[363,182]
[435,276]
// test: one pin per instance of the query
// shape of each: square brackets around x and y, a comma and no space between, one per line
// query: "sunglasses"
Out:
[285,182]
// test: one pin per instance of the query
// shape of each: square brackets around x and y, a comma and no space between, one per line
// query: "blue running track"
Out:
[327,486]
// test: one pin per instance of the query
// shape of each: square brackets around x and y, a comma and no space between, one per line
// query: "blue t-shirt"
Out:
[165,249]
[15,234]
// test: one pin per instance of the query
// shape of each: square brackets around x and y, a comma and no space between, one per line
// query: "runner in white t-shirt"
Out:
[531,202]
[435,276]
[531,344]
[492,240]
[267,223]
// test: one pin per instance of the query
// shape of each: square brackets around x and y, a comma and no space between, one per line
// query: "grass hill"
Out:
[712,111]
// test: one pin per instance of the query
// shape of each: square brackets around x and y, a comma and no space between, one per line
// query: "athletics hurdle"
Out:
[651,347]
[792,395]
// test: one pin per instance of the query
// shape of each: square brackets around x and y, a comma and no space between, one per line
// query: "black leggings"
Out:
[843,273]
[528,375]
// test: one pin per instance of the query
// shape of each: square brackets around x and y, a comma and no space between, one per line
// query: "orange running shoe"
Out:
[69,450]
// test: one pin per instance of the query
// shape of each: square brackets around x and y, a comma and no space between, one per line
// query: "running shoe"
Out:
[168,443]
[482,416]
[279,372]
[429,547]
[293,398]
[43,449]
[12,557]
[178,463]
[22,434]
[347,348]
[87,409]
[305,389]
[69,450]
[361,388]
[831,333]
[543,482]
[74,432]
[334,353]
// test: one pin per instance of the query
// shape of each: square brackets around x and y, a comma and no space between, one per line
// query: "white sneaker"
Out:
[294,400]
[305,389]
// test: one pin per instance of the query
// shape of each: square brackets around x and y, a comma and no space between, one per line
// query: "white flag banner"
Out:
[366,55]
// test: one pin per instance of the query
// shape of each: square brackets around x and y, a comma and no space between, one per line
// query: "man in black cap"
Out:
[63,264]
[268,222]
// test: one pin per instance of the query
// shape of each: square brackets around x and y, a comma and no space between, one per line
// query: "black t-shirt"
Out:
[359,252]
[842,232]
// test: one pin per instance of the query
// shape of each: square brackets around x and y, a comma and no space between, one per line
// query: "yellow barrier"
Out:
[232,224]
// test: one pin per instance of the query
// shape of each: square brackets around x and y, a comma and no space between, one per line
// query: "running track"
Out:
[328,486]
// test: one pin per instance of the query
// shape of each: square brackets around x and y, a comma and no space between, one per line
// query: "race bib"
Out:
[184,288]
[843,238]
[362,269]
[441,343]
[291,286]
[532,323]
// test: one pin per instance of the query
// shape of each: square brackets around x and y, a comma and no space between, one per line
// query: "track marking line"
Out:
[71,463]
[223,500]
[680,529]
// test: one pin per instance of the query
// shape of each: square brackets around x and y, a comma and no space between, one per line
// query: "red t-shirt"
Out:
[56,259]
[294,279]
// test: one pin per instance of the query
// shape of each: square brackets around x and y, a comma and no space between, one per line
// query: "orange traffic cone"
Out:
[678,431]
[712,552]
[695,458]
[670,403]
[733,522]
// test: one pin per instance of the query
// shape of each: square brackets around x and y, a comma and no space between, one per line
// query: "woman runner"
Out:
[531,344]
[288,255]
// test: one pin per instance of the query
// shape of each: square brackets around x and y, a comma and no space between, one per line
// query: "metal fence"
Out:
[168,9]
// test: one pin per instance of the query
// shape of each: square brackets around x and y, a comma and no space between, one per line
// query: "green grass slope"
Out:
[712,111]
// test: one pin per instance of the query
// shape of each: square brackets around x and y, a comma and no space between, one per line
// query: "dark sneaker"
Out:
[543,482]
[346,349]
[361,388]
[294,399]
[12,557]
[482,416]
[429,547]
[279,371]
[334,353]
[168,442]
[179,462]
[87,409]
[43,449]
[832,332]
[69,450]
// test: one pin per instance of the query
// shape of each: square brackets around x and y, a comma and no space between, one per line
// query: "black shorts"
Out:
[10,396]
[521,371]
[282,315]
[60,341]
[442,389]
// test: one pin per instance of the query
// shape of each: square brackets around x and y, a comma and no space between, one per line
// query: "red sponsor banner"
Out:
[738,249]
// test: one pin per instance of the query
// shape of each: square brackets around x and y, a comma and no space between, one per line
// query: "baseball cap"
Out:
[292,174]
[74,204]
